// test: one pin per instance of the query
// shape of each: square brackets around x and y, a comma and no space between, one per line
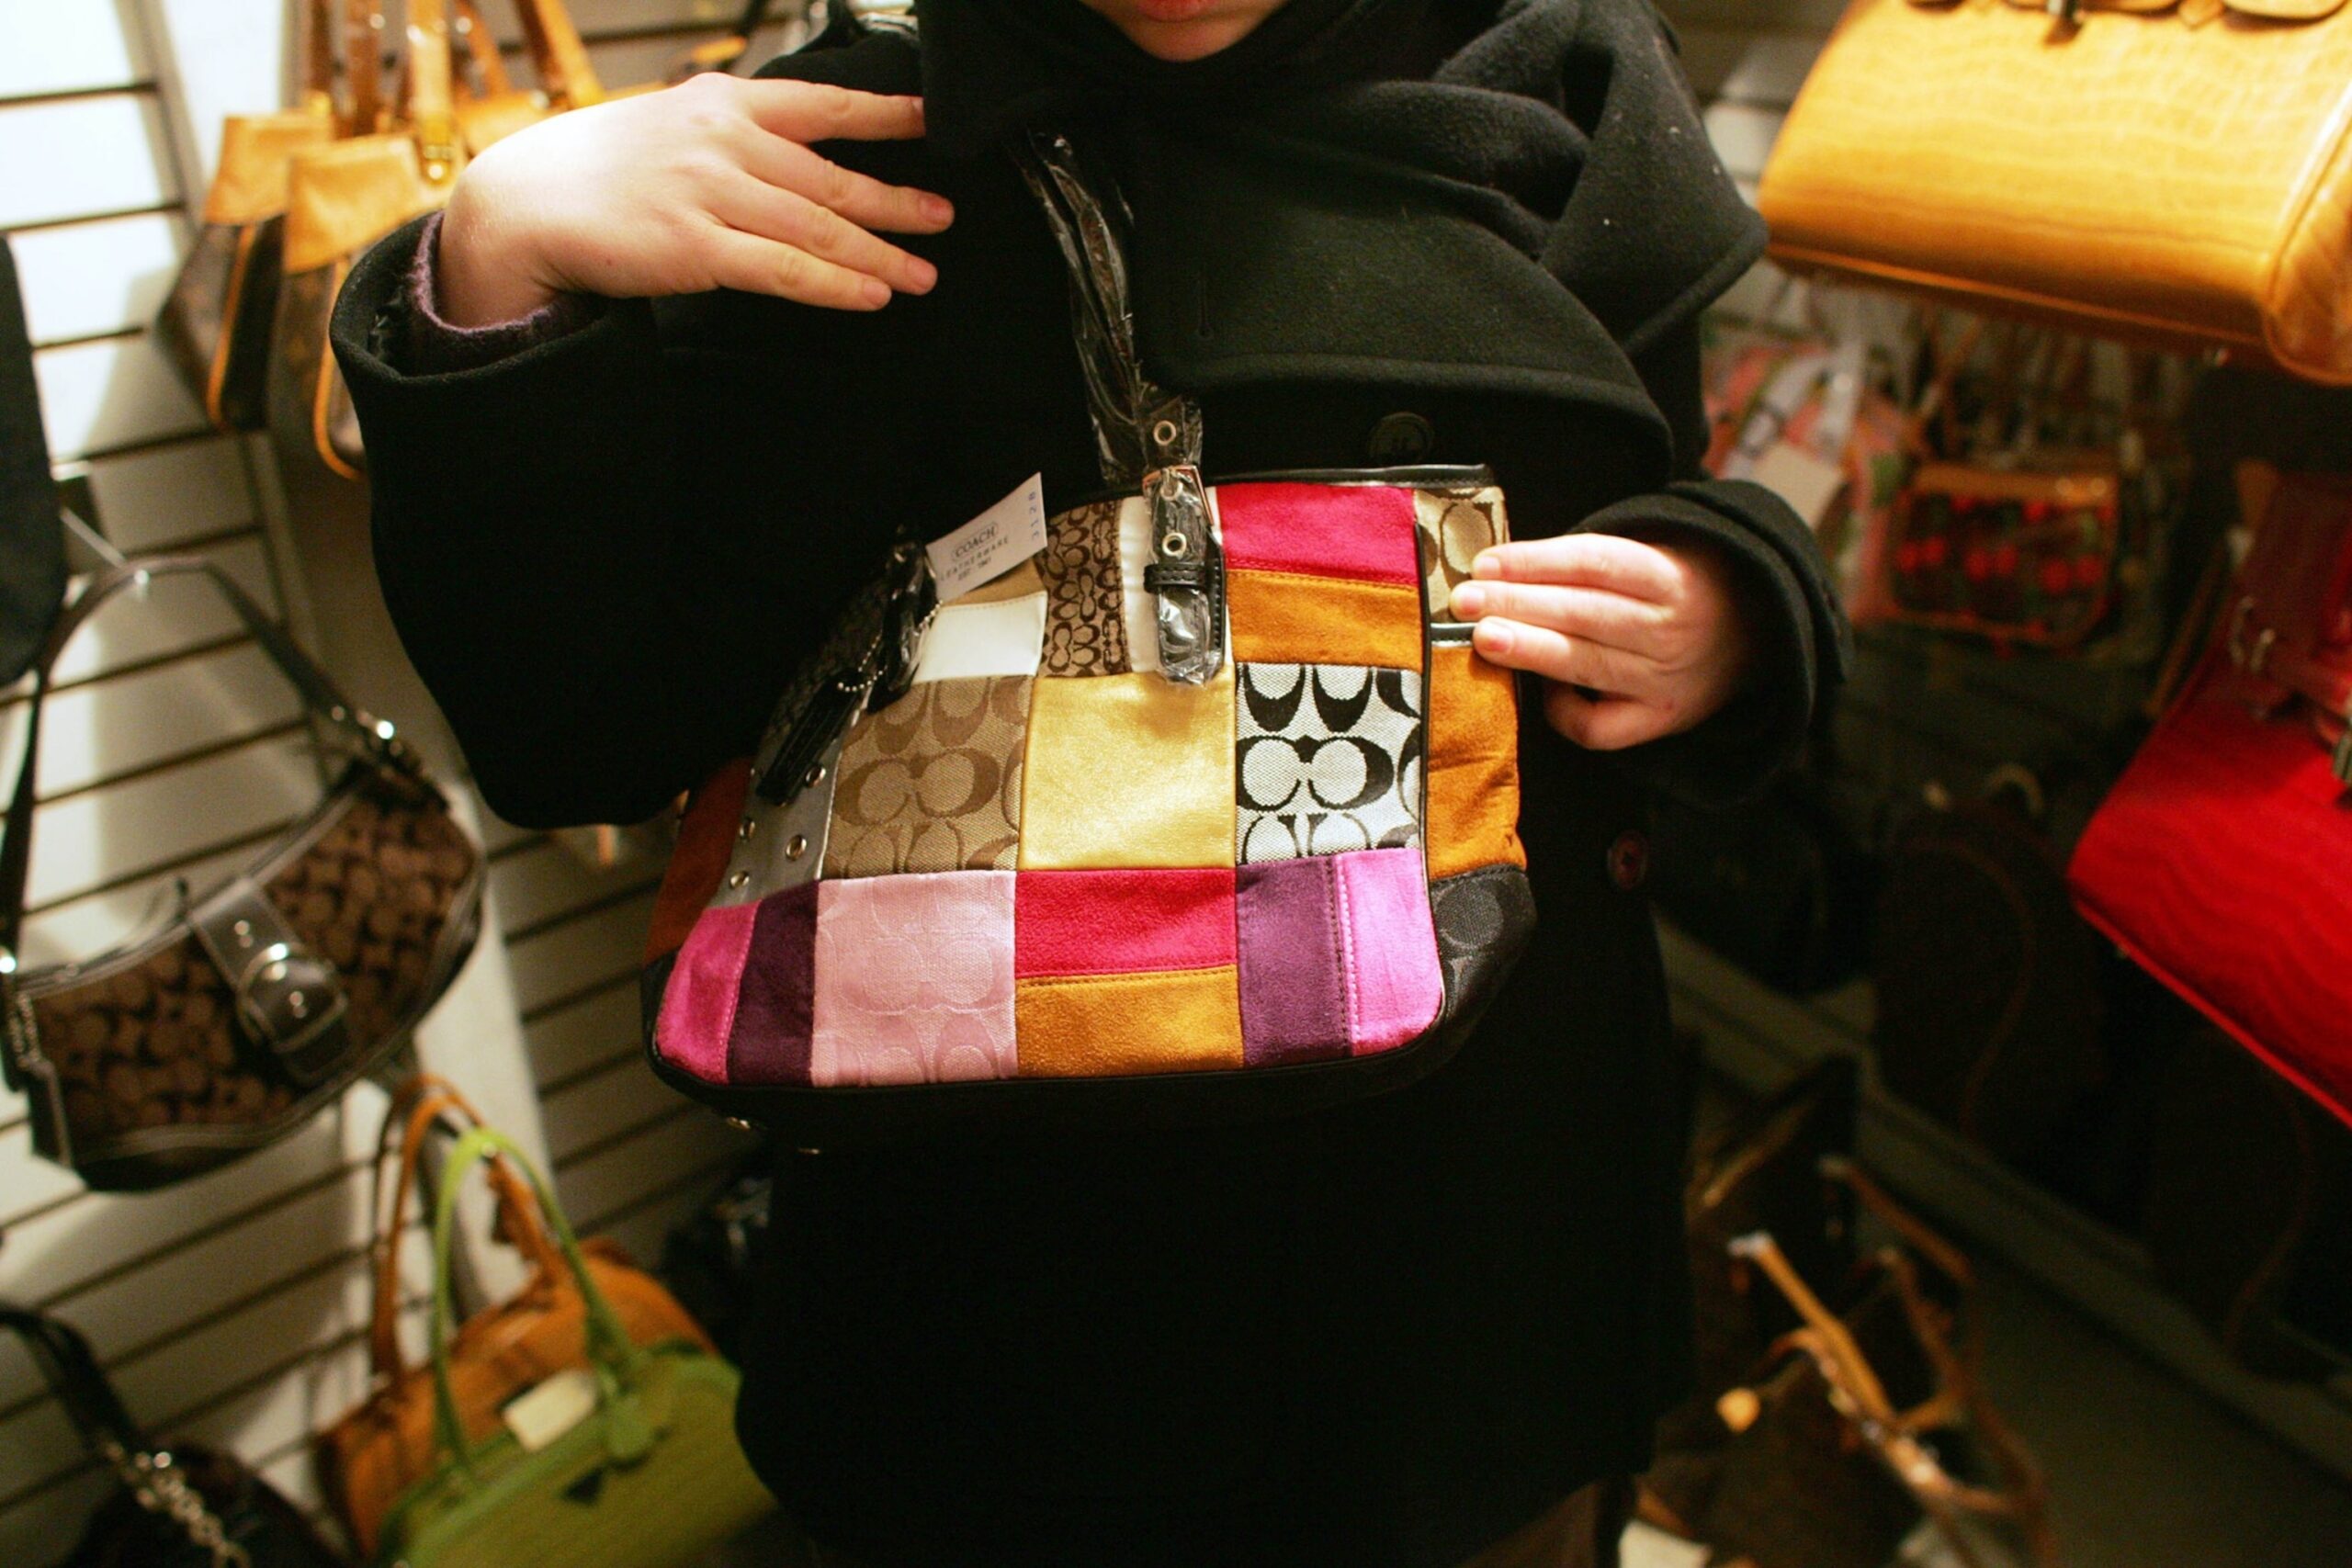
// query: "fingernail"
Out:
[922,273]
[874,290]
[1469,599]
[938,210]
[1493,637]
[1487,564]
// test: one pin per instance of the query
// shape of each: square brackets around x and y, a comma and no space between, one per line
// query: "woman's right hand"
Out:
[707,185]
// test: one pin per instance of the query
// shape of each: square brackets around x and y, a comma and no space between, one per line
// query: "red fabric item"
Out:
[1122,923]
[1365,532]
[2222,863]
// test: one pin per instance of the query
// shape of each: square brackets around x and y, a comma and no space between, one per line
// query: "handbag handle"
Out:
[611,1354]
[320,695]
[566,73]
[417,1107]
[486,62]
[318,55]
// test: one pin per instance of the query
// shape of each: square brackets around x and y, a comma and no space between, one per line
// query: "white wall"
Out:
[232,1308]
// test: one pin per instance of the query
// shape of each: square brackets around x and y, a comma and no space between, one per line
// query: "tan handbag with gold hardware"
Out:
[347,194]
[2175,171]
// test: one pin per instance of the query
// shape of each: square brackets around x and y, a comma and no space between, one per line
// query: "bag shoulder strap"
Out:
[72,1373]
[321,697]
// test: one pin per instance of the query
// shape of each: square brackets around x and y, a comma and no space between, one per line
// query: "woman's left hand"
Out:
[1634,640]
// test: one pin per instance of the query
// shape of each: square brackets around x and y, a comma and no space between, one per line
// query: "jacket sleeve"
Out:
[1804,645]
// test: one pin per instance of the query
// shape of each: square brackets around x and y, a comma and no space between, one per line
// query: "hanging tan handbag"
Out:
[343,197]
[386,1445]
[215,325]
[2176,172]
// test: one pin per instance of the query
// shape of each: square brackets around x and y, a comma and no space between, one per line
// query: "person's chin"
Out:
[1183,30]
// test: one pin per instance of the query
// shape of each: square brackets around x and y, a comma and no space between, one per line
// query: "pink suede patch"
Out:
[1123,923]
[914,979]
[1362,531]
[704,989]
[1388,961]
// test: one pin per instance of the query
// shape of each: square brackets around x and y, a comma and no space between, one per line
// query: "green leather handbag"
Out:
[630,1463]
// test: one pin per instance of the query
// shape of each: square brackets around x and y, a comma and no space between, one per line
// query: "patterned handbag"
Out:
[1211,802]
[258,1003]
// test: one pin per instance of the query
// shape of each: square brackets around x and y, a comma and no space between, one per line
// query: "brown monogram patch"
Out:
[932,782]
[1454,528]
[1086,634]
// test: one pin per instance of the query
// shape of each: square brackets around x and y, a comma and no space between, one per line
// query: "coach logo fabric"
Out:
[1086,630]
[932,782]
[1328,758]
[1047,860]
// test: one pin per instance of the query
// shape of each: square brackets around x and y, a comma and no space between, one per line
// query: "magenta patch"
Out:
[1293,1007]
[1362,532]
[1390,973]
[699,1000]
[769,1043]
[1122,923]
[914,979]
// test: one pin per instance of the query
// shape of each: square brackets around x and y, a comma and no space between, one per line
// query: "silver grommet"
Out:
[816,776]
[740,878]
[751,825]
[796,846]
[1165,433]
[1173,544]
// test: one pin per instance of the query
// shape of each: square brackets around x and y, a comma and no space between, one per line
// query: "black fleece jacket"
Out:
[1385,1335]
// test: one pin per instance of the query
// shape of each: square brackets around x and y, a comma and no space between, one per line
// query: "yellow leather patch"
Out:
[1281,617]
[1105,1025]
[1128,770]
[1473,817]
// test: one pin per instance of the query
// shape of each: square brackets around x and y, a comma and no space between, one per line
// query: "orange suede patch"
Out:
[1107,1026]
[1473,817]
[1281,617]
[706,843]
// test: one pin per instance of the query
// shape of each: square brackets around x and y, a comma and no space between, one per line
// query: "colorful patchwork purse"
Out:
[1207,798]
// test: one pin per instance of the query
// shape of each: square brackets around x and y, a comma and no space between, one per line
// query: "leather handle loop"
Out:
[422,1103]
[72,1373]
[566,73]
[609,1349]
[486,74]
[363,67]
[320,695]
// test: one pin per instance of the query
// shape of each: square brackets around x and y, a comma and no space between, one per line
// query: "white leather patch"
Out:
[1005,637]
[1134,554]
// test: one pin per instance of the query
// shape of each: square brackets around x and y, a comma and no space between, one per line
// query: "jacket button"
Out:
[1402,438]
[1629,860]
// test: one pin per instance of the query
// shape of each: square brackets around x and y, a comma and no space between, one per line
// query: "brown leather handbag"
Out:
[386,1445]
[400,161]
[215,325]
[2178,171]
[263,999]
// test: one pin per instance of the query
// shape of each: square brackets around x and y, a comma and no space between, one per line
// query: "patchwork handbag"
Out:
[1207,808]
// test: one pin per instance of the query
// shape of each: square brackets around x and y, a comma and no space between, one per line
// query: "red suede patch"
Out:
[1122,923]
[1362,532]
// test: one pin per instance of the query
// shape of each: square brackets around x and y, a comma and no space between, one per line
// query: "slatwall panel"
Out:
[232,1309]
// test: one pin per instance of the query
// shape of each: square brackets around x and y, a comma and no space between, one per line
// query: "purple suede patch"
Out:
[1287,914]
[769,1043]
[434,346]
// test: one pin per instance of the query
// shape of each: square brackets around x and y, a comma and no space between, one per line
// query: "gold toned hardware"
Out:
[738,879]
[750,826]
[816,776]
[796,846]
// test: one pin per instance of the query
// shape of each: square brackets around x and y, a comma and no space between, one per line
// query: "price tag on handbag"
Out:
[991,544]
[547,1410]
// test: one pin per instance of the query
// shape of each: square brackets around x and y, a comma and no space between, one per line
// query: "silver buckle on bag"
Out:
[1185,578]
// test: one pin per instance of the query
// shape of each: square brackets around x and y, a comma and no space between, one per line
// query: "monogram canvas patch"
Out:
[1086,632]
[1454,528]
[1327,759]
[932,782]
